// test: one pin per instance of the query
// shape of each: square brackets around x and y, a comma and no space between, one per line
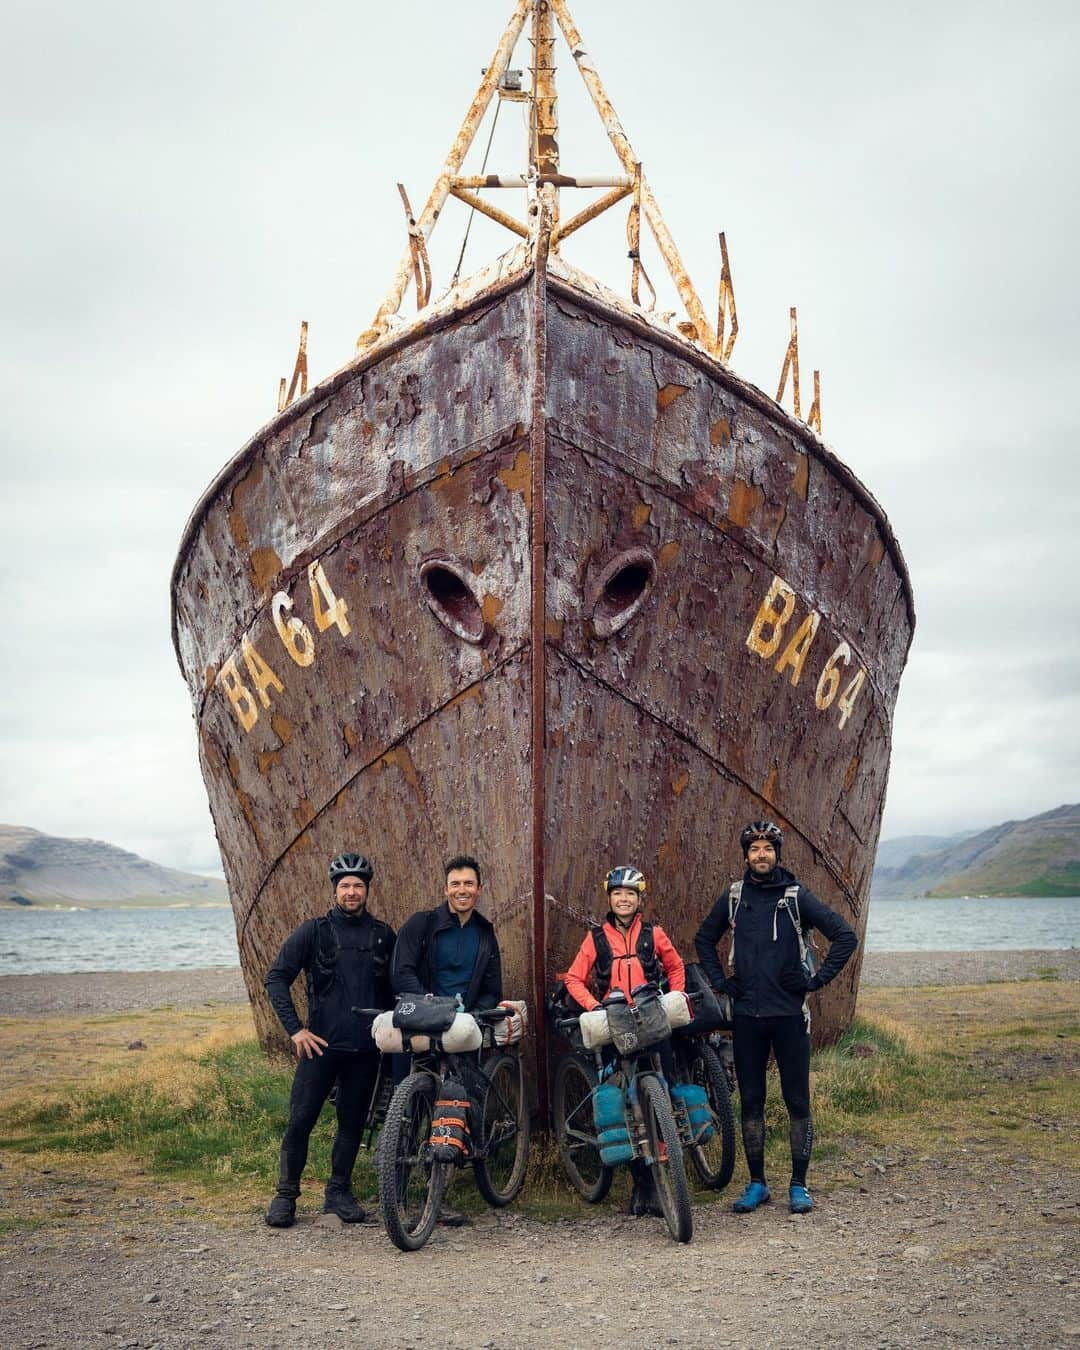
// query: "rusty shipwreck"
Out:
[537,576]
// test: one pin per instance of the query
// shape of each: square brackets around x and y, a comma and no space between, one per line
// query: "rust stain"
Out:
[663,855]
[720,432]
[666,397]
[265,567]
[745,499]
[877,551]
[211,676]
[247,806]
[557,737]
[642,514]
[553,629]
[352,739]
[668,552]
[400,758]
[515,477]
[237,524]
[301,844]
[266,759]
[473,692]
[849,777]
[768,792]
[490,607]
[679,782]
[282,728]
[304,813]
[800,484]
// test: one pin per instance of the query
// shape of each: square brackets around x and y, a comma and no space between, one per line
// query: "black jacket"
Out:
[410,971]
[761,958]
[347,962]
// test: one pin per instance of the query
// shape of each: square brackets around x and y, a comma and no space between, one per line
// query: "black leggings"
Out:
[789,1039]
[355,1076]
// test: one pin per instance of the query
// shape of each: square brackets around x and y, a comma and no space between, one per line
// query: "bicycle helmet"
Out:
[351,865]
[762,829]
[629,877]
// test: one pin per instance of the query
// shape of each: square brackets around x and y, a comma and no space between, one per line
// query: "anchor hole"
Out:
[623,588]
[452,602]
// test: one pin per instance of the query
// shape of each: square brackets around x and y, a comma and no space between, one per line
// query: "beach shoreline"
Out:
[93,993]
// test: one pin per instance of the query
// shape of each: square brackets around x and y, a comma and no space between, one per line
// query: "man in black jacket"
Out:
[346,956]
[768,988]
[451,949]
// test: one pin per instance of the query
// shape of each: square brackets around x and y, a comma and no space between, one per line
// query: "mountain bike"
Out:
[652,1134]
[412,1181]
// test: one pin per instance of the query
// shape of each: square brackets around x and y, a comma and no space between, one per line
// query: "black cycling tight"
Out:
[355,1075]
[789,1040]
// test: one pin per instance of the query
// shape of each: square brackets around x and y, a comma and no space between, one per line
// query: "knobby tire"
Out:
[575,1133]
[672,1188]
[411,1183]
[714,1161]
[505,1124]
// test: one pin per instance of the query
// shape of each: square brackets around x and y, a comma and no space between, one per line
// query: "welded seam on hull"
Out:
[721,768]
[662,487]
[363,768]
[363,515]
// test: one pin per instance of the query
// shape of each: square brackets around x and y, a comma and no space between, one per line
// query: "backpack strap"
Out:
[734,899]
[324,958]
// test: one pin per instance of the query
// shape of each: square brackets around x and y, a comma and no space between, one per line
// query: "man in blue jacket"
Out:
[346,956]
[768,988]
[452,948]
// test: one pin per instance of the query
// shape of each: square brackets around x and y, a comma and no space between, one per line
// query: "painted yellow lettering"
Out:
[795,653]
[238,694]
[846,701]
[829,682]
[336,610]
[773,614]
[294,633]
[262,677]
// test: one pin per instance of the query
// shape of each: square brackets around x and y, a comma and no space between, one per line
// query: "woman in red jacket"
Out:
[623,952]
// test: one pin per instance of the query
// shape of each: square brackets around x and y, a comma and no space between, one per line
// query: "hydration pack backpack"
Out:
[645,951]
[789,903]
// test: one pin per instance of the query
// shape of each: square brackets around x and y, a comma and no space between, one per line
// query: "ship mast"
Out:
[543,171]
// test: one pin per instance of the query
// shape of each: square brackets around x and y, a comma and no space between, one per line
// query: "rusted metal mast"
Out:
[544,122]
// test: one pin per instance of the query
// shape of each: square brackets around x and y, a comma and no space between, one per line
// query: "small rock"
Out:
[151,1298]
[136,1045]
[863,1050]
[915,1253]
[541,1277]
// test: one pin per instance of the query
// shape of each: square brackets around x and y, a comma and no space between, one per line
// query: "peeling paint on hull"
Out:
[679,699]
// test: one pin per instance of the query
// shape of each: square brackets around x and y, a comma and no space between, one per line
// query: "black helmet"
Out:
[351,865]
[762,829]
[629,877]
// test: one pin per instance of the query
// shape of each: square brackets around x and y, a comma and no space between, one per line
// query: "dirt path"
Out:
[969,1242]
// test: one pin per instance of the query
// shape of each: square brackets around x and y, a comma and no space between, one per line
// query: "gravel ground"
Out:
[970,1246]
[130,991]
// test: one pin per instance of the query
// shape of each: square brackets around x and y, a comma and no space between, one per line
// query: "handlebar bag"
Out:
[640,1025]
[425,1012]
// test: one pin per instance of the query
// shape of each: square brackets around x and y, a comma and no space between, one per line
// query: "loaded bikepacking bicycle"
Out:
[463,1101]
[610,1111]
[606,1114]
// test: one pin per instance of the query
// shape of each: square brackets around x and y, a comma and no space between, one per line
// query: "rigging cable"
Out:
[472,211]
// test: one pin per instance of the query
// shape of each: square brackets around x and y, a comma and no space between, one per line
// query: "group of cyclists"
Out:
[352,960]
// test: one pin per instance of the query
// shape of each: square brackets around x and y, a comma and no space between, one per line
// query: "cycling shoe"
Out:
[800,1201]
[756,1193]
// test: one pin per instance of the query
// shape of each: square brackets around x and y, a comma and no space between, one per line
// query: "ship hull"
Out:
[542,583]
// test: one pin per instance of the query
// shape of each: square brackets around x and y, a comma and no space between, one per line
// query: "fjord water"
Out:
[36,941]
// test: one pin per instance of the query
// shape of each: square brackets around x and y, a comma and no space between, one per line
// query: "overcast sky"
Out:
[184,184]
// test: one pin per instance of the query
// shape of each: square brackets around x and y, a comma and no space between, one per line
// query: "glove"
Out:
[733,987]
[815,984]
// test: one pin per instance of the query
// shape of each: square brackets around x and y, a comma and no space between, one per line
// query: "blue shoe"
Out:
[756,1193]
[800,1200]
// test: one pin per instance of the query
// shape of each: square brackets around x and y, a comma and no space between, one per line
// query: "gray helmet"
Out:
[762,829]
[629,877]
[351,865]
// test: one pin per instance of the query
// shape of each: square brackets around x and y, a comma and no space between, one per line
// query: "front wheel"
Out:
[504,1122]
[714,1160]
[668,1168]
[411,1182]
[575,1133]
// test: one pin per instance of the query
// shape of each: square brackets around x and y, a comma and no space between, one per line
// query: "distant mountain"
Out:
[42,870]
[893,853]
[1040,856]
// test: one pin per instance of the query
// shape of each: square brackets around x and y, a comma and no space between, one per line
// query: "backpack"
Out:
[645,951]
[789,903]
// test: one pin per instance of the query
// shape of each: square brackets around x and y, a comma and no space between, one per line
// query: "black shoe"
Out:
[643,1201]
[282,1212]
[451,1218]
[343,1204]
